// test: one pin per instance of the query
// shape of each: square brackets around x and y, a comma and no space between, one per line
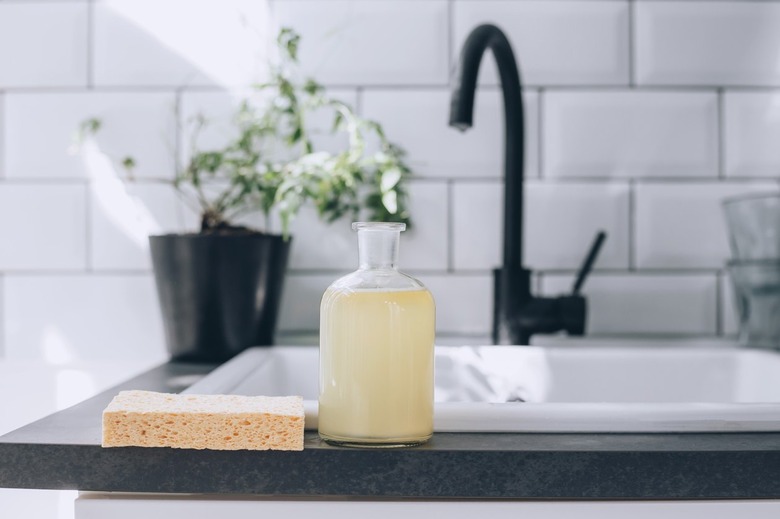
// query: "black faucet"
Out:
[517,314]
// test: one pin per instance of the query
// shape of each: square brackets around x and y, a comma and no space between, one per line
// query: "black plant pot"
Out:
[220,293]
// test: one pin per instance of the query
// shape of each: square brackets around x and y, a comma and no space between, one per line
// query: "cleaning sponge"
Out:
[221,422]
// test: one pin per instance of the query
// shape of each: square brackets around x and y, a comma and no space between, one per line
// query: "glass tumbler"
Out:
[754,226]
[757,297]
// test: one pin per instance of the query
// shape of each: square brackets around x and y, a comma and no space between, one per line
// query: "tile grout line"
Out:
[474,272]
[718,305]
[90,44]
[3,324]
[177,152]
[117,272]
[631,43]
[632,225]
[450,226]
[563,181]
[400,87]
[3,104]
[450,37]
[721,133]
[359,101]
[119,89]
[66,181]
[178,136]
[540,162]
[563,87]
[412,1]
[88,227]
[649,271]
[273,23]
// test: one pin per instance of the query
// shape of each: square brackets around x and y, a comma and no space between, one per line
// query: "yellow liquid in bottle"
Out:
[376,367]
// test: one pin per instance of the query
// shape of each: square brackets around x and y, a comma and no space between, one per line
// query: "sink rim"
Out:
[556,417]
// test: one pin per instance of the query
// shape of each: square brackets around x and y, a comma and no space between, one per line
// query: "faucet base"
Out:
[511,291]
[517,315]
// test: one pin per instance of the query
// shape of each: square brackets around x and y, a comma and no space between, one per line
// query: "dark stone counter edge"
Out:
[62,451]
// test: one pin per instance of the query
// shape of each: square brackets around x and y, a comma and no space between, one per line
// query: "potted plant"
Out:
[220,288]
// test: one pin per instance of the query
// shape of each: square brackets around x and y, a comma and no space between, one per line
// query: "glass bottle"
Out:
[376,349]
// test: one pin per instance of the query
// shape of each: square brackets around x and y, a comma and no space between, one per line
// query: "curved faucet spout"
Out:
[517,314]
[461,116]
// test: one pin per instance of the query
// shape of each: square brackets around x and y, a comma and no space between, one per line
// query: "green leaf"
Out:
[91,126]
[288,41]
[390,179]
[338,122]
[390,201]
[296,135]
[311,87]
[128,163]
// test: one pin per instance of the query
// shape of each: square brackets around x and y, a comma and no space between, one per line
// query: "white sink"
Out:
[555,388]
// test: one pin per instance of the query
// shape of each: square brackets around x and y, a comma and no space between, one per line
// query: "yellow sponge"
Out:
[221,422]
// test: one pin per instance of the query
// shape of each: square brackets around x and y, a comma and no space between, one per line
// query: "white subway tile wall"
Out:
[41,140]
[123,216]
[464,303]
[44,44]
[301,300]
[65,318]
[664,304]
[670,218]
[640,117]
[752,130]
[43,227]
[561,220]
[419,119]
[707,43]
[177,43]
[2,135]
[318,245]
[2,318]
[630,133]
[217,109]
[565,42]
[382,42]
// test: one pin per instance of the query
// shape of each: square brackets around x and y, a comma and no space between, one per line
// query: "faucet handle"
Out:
[590,259]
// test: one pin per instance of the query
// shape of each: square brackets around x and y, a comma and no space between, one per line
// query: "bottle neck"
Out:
[378,249]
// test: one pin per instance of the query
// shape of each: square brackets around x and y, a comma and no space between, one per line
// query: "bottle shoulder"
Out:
[380,279]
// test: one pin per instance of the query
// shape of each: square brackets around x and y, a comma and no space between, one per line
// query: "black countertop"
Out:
[62,451]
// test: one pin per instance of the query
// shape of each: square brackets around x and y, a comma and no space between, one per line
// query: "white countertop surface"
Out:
[30,390]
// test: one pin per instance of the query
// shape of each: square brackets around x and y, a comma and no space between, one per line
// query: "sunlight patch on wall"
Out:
[223,41]
[127,212]
[56,347]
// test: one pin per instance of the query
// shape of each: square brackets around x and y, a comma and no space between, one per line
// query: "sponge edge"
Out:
[219,422]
